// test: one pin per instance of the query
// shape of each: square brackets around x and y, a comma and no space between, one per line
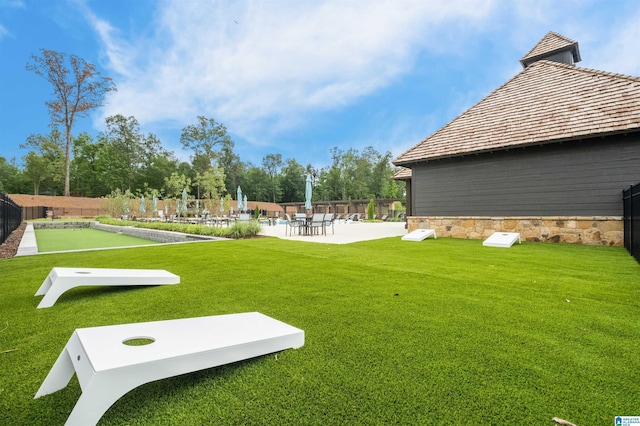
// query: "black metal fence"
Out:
[631,199]
[10,217]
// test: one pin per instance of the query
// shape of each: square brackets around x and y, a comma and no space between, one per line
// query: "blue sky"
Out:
[295,77]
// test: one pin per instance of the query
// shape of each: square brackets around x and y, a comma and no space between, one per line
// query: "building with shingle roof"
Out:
[554,144]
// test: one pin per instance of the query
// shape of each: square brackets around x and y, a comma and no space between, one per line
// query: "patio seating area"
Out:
[315,224]
[335,231]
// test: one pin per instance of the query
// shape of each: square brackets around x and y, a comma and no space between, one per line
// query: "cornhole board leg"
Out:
[502,239]
[60,280]
[420,234]
[107,368]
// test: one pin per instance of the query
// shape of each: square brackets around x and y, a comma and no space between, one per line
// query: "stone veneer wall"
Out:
[599,230]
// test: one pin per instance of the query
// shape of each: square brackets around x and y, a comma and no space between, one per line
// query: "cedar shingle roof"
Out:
[551,43]
[545,102]
[402,174]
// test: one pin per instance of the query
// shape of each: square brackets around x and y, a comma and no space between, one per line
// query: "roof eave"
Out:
[408,163]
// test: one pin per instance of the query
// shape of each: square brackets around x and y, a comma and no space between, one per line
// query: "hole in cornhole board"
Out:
[502,239]
[420,234]
[138,341]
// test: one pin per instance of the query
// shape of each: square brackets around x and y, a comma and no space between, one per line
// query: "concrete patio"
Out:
[345,233]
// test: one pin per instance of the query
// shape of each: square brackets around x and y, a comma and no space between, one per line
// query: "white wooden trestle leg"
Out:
[107,368]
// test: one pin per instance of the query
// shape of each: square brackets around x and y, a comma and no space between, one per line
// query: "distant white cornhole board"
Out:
[502,239]
[110,362]
[420,234]
[60,280]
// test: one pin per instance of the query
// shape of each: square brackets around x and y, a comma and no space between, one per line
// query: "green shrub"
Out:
[371,209]
[237,230]
[242,230]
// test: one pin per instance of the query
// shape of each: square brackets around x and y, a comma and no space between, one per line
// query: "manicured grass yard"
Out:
[83,238]
[440,332]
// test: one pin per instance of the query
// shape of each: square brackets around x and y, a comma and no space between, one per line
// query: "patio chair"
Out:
[292,224]
[329,220]
[317,223]
[384,217]
[355,217]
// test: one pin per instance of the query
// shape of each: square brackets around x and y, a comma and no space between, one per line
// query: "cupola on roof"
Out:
[553,47]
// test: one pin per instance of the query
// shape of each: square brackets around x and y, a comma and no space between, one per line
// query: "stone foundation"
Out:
[598,230]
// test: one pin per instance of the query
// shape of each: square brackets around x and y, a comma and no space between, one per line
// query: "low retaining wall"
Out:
[608,230]
[148,234]
[61,225]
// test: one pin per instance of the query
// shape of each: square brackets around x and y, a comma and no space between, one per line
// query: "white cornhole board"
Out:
[420,234]
[60,280]
[502,239]
[107,368]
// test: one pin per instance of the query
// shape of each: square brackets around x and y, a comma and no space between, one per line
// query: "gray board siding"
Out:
[576,178]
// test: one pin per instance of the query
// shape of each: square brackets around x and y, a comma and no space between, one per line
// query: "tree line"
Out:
[123,160]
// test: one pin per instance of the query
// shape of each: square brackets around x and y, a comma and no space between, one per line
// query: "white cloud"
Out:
[9,4]
[262,66]
[119,54]
[619,53]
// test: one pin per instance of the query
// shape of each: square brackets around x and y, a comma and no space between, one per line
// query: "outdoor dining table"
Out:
[304,222]
[306,225]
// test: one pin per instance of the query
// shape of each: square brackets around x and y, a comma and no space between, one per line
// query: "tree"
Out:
[75,95]
[11,178]
[156,168]
[272,164]
[44,164]
[128,149]
[37,170]
[293,181]
[212,183]
[88,166]
[175,184]
[233,168]
[207,139]
[255,185]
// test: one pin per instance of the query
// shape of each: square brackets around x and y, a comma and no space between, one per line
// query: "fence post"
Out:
[631,242]
[632,220]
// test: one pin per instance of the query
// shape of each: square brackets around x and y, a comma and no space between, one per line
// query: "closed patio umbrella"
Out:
[239,194]
[154,203]
[307,194]
[142,207]
[184,201]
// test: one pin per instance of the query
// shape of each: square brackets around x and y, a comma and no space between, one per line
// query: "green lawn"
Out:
[444,331]
[83,238]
